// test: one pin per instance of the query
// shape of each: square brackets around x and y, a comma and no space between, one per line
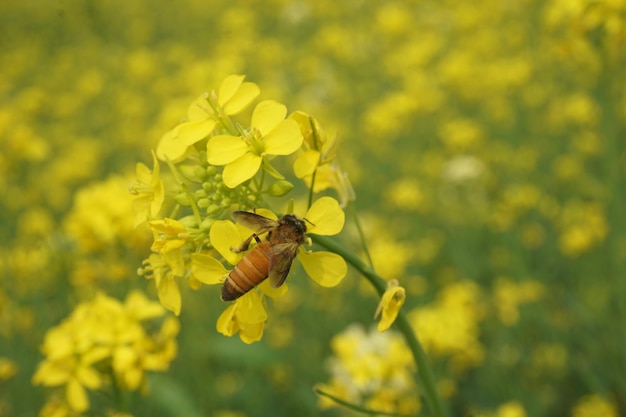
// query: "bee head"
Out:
[296,222]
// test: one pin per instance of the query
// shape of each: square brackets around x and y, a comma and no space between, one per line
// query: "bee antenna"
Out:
[309,222]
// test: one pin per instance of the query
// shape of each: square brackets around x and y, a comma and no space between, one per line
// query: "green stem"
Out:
[311,188]
[426,376]
[353,407]
[361,234]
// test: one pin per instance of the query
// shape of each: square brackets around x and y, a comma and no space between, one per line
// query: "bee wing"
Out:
[281,258]
[255,222]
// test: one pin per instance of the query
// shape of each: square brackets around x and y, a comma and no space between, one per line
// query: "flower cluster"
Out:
[104,343]
[450,325]
[218,165]
[373,369]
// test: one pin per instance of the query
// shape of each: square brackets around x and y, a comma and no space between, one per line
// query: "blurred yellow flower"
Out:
[149,191]
[203,115]
[103,336]
[270,134]
[449,326]
[511,409]
[390,304]
[374,369]
[8,368]
[509,295]
[594,405]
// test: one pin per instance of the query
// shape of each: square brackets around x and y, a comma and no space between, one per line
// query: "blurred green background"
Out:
[486,143]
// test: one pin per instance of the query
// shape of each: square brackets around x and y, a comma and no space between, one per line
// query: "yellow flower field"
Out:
[450,175]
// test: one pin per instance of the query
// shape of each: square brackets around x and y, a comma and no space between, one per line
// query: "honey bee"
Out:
[269,258]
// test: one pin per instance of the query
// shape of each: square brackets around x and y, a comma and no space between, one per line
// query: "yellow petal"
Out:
[207,269]
[169,295]
[267,115]
[241,170]
[76,396]
[229,87]
[133,378]
[284,139]
[250,333]
[271,291]
[326,216]
[199,109]
[123,358]
[225,235]
[89,377]
[140,307]
[390,304]
[226,323]
[325,268]
[50,375]
[224,149]
[242,98]
[306,163]
[171,149]
[250,309]
[144,176]
[189,133]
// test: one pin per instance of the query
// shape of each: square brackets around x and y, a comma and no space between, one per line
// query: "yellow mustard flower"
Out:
[64,368]
[270,134]
[164,269]
[149,191]
[170,235]
[390,304]
[168,262]
[246,316]
[318,157]
[374,369]
[102,336]
[203,114]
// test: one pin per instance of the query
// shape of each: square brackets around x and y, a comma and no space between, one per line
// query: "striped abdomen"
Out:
[248,273]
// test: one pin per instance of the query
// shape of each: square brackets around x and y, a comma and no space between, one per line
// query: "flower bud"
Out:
[280,188]
[212,209]
[206,224]
[203,203]
[182,199]
[192,173]
[200,193]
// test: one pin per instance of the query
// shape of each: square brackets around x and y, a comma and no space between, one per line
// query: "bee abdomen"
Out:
[248,273]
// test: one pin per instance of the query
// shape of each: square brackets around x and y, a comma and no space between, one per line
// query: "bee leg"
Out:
[246,243]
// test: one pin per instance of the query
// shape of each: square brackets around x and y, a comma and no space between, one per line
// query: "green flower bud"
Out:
[280,188]
[191,173]
[203,203]
[182,199]
[211,170]
[212,209]
[188,221]
[208,186]
[206,224]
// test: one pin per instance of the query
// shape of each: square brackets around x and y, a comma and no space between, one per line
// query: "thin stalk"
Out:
[361,234]
[311,188]
[354,407]
[425,373]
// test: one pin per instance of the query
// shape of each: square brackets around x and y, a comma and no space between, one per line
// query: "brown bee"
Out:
[270,258]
